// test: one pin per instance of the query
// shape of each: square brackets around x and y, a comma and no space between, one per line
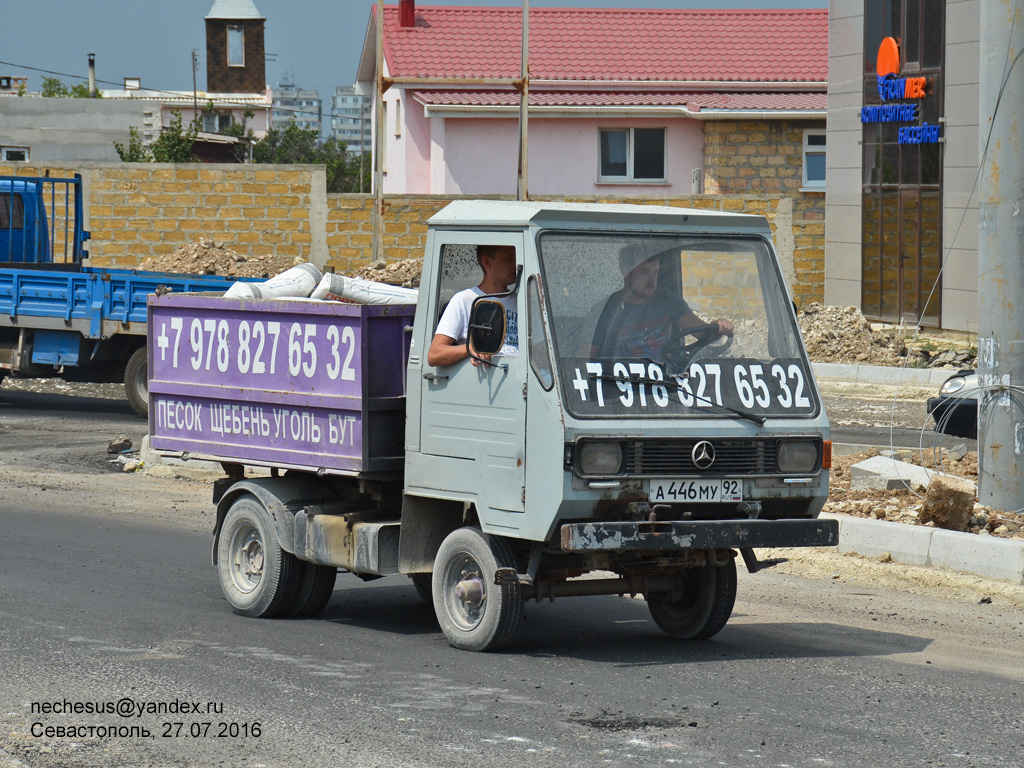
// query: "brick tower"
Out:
[235,60]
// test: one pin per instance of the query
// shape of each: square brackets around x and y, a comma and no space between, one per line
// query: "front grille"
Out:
[673,458]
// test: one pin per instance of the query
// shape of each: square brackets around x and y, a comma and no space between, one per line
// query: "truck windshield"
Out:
[673,326]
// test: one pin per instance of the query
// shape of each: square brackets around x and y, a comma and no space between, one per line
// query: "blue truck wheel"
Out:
[136,382]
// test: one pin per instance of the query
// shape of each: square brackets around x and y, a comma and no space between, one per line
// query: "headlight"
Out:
[599,458]
[797,456]
[952,384]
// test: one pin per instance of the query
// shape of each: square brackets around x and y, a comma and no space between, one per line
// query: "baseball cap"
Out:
[632,255]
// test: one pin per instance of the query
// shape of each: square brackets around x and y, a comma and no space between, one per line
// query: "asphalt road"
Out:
[106,593]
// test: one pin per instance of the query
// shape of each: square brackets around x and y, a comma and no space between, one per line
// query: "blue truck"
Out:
[58,316]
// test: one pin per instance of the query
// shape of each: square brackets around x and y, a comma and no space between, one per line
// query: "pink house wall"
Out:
[478,156]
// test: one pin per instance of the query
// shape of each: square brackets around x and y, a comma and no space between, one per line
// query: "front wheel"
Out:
[708,596]
[475,614]
[136,382]
[258,578]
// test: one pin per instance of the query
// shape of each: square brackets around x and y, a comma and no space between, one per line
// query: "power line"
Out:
[293,110]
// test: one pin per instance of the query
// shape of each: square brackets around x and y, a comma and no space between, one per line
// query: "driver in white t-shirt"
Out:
[449,343]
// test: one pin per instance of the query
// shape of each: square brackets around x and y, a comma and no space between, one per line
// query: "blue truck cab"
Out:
[60,317]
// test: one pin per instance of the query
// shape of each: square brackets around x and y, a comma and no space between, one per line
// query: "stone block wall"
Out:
[138,210]
[755,157]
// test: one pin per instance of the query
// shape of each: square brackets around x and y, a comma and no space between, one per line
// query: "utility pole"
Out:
[522,191]
[1000,266]
[378,142]
[195,97]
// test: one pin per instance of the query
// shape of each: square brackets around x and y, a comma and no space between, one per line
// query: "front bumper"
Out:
[695,535]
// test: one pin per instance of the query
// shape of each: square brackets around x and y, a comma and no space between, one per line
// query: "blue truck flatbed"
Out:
[60,318]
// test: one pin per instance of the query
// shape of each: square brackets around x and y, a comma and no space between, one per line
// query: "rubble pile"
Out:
[405,273]
[907,506]
[844,335]
[207,257]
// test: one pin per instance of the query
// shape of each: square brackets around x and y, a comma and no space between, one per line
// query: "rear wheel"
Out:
[709,593]
[258,578]
[136,382]
[475,614]
[315,589]
[422,582]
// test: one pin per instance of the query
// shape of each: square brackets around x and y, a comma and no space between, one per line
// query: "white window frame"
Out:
[808,150]
[6,159]
[216,122]
[630,146]
[241,45]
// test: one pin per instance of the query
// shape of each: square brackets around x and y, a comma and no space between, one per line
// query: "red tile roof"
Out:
[692,102]
[687,46]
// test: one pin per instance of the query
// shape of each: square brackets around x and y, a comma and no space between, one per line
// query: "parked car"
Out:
[955,410]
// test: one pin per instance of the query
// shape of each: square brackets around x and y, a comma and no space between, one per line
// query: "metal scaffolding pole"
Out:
[1000,262]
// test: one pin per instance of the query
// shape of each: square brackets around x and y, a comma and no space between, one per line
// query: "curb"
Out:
[985,556]
[881,374]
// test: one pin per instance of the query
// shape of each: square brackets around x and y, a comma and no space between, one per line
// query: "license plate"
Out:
[696,491]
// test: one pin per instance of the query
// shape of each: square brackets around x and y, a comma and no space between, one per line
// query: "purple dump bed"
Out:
[284,383]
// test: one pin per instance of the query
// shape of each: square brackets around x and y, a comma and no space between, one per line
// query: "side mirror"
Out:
[487,326]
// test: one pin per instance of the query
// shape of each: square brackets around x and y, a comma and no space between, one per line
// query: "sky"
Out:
[313,43]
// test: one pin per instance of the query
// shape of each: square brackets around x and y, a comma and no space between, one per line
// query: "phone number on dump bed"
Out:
[258,348]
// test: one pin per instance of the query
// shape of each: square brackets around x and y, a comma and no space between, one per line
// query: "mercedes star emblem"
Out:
[703,455]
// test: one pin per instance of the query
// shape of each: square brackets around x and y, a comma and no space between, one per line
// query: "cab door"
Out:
[473,418]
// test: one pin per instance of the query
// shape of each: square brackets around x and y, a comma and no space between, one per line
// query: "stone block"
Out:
[949,503]
[882,472]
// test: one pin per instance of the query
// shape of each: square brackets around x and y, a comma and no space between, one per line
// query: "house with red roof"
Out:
[621,102]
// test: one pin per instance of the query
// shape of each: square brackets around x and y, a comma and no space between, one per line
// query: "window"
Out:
[236,47]
[632,155]
[216,122]
[398,117]
[814,160]
[6,221]
[15,154]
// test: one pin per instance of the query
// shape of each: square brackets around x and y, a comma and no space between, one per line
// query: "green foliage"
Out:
[295,145]
[55,88]
[135,152]
[174,144]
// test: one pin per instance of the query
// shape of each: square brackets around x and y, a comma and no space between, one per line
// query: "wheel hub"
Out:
[252,556]
[470,592]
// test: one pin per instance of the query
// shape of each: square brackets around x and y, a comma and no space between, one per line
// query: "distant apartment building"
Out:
[302,105]
[350,119]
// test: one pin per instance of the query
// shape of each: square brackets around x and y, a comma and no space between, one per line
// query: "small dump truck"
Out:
[562,470]
[60,317]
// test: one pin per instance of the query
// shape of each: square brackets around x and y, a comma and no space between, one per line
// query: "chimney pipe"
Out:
[92,75]
[407,13]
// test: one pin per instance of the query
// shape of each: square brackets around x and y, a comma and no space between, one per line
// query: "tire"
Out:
[709,596]
[315,589]
[136,382]
[258,578]
[424,588]
[488,616]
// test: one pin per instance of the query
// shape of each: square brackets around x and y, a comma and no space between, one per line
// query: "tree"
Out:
[297,145]
[55,88]
[173,145]
[135,152]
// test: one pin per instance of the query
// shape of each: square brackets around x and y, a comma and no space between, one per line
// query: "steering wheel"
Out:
[679,353]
